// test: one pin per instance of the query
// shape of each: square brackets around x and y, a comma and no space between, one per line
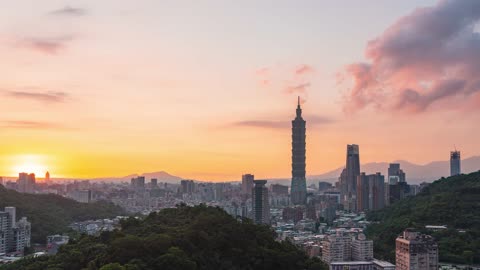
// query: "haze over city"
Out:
[240,135]
[207,90]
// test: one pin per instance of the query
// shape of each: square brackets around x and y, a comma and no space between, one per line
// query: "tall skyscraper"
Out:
[415,251]
[298,190]
[247,183]
[394,171]
[349,178]
[260,204]
[455,163]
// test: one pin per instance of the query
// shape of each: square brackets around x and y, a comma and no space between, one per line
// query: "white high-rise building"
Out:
[362,249]
[337,248]
[14,236]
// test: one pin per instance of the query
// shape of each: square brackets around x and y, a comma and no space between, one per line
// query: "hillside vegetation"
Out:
[51,214]
[453,201]
[187,238]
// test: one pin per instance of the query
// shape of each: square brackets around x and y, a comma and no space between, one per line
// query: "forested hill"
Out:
[453,201]
[51,214]
[180,238]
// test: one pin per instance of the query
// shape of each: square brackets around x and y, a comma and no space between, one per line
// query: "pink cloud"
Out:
[425,58]
[298,88]
[304,69]
[51,45]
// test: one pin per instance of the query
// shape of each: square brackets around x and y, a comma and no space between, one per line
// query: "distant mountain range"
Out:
[415,173]
[161,176]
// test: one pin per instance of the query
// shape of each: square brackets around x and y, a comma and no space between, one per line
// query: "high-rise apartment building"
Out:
[219,191]
[455,163]
[188,187]
[260,203]
[247,183]
[138,182]
[362,249]
[370,192]
[415,251]
[4,230]
[376,192]
[362,192]
[298,191]
[337,248]
[14,236]
[26,182]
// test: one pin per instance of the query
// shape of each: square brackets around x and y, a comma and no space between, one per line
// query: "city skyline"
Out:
[167,94]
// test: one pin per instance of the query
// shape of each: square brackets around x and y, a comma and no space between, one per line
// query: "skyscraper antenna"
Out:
[298,100]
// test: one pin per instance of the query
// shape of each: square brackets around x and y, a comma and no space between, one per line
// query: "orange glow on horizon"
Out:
[29,163]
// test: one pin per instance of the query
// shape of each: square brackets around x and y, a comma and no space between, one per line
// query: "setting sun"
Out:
[29,164]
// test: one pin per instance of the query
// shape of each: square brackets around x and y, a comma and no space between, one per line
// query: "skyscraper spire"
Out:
[299,109]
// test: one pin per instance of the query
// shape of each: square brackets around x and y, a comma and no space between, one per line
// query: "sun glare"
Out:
[30,164]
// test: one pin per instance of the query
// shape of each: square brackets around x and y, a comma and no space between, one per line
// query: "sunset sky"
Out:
[207,89]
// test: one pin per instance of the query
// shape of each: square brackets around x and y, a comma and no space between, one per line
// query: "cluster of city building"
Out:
[95,227]
[327,219]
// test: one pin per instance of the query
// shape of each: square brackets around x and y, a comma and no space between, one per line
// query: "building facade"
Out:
[455,163]
[14,236]
[26,183]
[337,248]
[362,249]
[187,186]
[349,178]
[260,204]
[415,251]
[247,183]
[395,171]
[370,192]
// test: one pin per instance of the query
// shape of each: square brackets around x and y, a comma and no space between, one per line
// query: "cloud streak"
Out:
[51,46]
[18,124]
[425,59]
[312,120]
[49,97]
[69,11]
[304,69]
[299,88]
